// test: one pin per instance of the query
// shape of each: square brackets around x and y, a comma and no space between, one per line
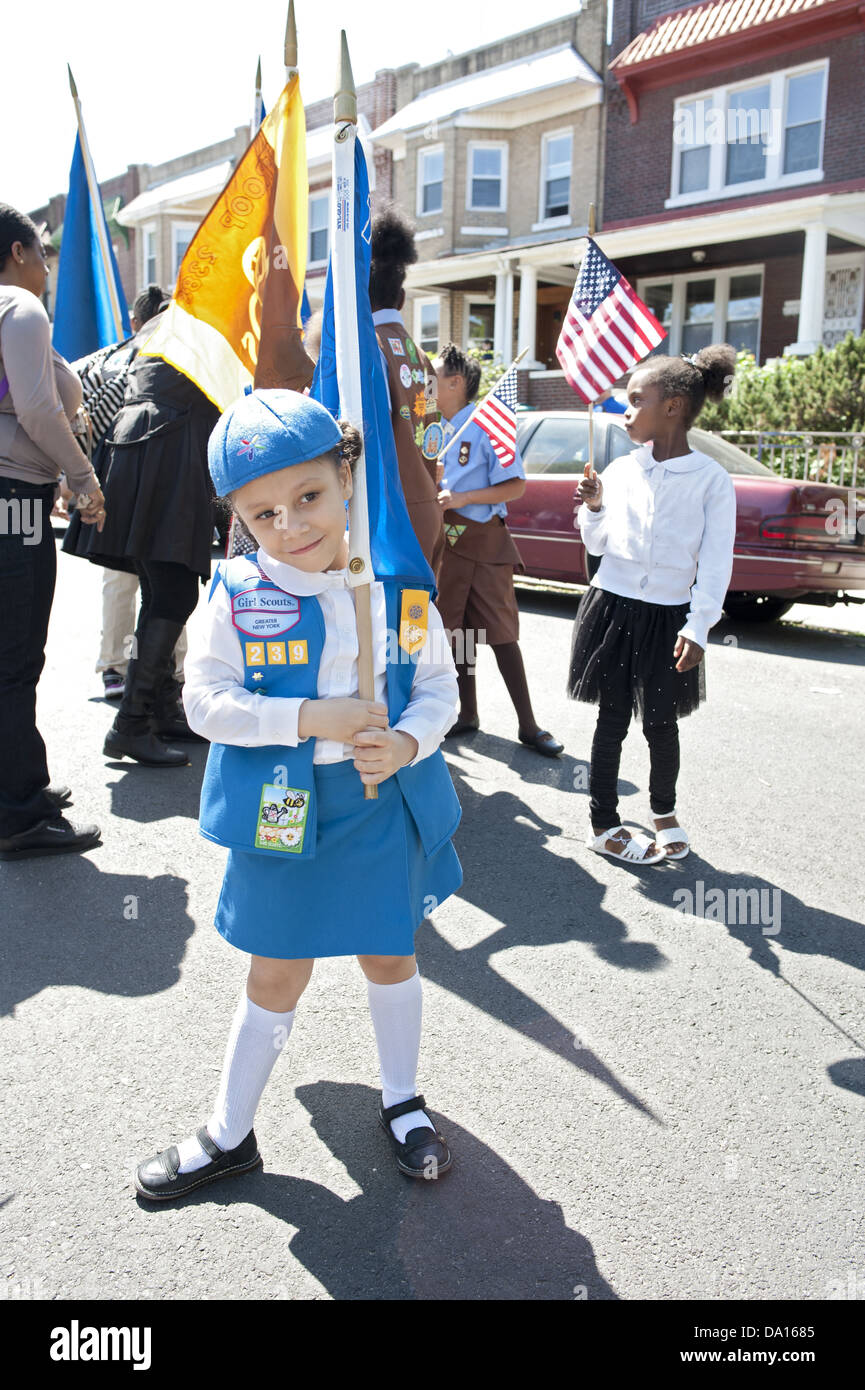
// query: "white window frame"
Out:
[672,344]
[419,306]
[422,154]
[502,146]
[319,195]
[150,229]
[561,219]
[775,179]
[192,228]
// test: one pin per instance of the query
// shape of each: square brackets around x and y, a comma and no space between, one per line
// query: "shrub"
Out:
[825,391]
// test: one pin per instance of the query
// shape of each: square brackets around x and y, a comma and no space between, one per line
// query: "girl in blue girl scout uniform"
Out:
[313,868]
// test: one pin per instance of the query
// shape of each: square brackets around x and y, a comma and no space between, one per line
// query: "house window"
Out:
[719,306]
[480,328]
[803,124]
[694,151]
[426,325]
[319,218]
[735,139]
[181,235]
[556,174]
[487,178]
[430,180]
[748,127]
[743,312]
[149,243]
[659,299]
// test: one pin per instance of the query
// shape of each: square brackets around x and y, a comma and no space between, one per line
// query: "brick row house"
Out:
[734,172]
[722,142]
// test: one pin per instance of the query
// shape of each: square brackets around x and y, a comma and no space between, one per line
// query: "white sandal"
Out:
[634,851]
[673,835]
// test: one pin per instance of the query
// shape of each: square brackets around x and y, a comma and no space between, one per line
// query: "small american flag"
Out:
[607,329]
[496,416]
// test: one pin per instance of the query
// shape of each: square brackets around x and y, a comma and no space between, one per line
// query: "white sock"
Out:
[396,1018]
[255,1040]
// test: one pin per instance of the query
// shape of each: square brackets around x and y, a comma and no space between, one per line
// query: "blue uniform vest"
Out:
[262,799]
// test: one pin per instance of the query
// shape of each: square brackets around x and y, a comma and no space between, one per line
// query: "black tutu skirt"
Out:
[152,467]
[622,655]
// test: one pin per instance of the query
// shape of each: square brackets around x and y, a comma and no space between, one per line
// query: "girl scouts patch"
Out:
[405,412]
[282,817]
[465,450]
[414,620]
[265,612]
[433,439]
[405,374]
[411,349]
[396,347]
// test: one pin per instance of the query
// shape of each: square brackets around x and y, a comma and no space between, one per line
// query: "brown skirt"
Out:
[476,580]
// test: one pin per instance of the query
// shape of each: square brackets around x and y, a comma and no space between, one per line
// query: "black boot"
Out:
[169,716]
[132,733]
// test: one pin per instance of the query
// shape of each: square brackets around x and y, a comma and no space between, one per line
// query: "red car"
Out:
[785,551]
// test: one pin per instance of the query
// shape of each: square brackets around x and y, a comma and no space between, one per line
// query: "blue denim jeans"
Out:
[28,569]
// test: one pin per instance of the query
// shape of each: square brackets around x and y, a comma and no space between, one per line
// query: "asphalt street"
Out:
[643,1102]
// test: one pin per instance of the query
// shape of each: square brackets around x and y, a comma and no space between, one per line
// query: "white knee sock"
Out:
[256,1038]
[396,1018]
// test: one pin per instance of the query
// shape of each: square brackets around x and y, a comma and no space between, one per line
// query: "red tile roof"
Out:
[703,24]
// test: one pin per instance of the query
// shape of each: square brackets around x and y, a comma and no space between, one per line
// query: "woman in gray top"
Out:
[39,395]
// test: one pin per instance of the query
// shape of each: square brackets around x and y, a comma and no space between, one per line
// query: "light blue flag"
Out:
[394,547]
[83,320]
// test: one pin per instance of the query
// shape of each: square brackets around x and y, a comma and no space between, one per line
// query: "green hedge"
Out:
[825,391]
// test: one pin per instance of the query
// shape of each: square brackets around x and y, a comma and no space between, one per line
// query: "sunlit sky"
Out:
[162,77]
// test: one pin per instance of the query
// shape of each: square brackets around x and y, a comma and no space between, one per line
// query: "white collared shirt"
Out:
[219,706]
[666,532]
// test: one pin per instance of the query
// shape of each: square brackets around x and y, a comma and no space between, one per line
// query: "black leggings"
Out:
[663,741]
[168,591]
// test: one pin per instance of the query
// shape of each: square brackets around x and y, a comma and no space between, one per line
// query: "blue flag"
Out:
[305,310]
[83,320]
[394,547]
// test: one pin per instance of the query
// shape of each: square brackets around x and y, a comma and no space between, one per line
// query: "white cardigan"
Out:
[666,533]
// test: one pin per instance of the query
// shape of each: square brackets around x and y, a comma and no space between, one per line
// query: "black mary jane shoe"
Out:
[543,742]
[424,1153]
[158,1178]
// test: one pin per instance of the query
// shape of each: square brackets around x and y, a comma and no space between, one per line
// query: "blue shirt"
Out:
[472,464]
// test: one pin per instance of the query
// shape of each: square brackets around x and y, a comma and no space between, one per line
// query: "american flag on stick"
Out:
[607,329]
[496,416]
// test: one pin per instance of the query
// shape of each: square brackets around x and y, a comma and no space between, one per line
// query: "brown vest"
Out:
[412,384]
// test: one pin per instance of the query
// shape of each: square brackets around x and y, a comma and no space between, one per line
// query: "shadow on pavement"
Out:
[65,923]
[788,922]
[840,648]
[540,899]
[147,794]
[477,1233]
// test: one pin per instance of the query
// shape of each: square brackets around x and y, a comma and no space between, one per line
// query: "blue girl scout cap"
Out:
[267,430]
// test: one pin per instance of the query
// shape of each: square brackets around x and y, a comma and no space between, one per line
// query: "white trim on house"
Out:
[184,227]
[484,231]
[318,195]
[718,98]
[174,195]
[430,232]
[150,229]
[502,147]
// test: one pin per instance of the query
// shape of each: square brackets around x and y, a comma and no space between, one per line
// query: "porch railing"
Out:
[824,456]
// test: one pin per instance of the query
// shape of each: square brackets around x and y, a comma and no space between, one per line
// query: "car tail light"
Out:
[808,530]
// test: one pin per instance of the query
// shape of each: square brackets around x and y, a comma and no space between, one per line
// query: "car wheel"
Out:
[756,608]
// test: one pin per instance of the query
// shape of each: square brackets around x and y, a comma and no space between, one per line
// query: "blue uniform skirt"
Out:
[366,892]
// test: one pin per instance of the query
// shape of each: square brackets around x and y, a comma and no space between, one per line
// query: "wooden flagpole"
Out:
[464,426]
[348,365]
[97,212]
[591,464]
